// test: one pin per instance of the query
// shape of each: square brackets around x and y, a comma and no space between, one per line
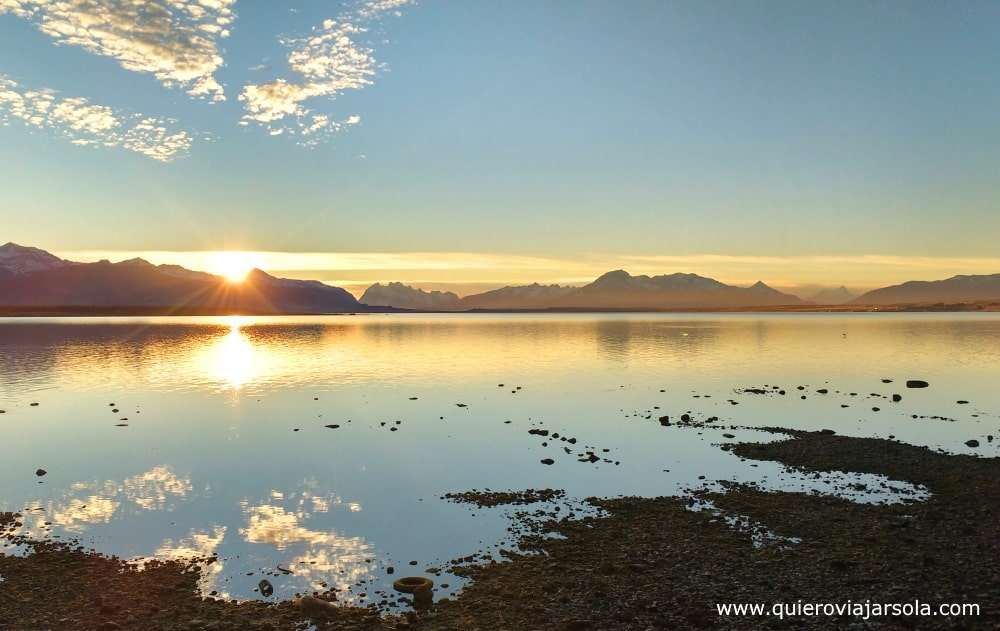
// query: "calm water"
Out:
[210,463]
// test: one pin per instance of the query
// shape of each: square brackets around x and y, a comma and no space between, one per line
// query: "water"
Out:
[209,462]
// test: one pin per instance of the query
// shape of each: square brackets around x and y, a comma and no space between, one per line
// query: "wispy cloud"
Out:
[328,61]
[87,124]
[177,41]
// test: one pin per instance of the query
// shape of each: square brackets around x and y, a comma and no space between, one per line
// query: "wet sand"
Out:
[647,563]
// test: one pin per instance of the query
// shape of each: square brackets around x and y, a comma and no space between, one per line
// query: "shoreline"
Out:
[645,563]
[125,311]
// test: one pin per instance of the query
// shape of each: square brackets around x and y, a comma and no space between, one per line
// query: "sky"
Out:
[469,145]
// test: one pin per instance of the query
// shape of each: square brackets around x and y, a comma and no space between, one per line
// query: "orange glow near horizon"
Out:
[233,265]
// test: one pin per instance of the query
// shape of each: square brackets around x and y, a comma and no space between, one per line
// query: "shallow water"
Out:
[210,462]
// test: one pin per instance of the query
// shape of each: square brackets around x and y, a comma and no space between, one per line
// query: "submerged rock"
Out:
[916,383]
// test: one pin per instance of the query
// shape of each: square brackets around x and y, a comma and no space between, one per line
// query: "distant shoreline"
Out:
[74,311]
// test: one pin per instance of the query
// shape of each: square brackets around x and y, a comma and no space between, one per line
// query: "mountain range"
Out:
[33,280]
[957,289]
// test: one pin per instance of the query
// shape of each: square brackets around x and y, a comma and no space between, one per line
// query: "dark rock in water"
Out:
[896,398]
[972,443]
[729,436]
[34,405]
[664,420]
[547,461]
[887,381]
[962,402]
[332,426]
[266,589]
[538,432]
[390,570]
[40,472]
[685,417]
[3,411]
[916,383]
[822,391]
[828,432]
[413,398]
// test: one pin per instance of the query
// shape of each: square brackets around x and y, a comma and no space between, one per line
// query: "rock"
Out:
[729,436]
[896,398]
[313,607]
[664,420]
[332,426]
[547,461]
[962,402]
[972,443]
[266,589]
[40,472]
[916,383]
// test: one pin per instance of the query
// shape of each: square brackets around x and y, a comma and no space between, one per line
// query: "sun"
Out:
[233,265]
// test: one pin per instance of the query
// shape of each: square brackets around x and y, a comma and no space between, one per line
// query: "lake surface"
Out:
[208,460]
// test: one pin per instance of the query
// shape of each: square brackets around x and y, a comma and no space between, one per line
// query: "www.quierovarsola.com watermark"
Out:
[862,610]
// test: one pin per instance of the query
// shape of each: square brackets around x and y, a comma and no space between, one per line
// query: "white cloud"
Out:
[372,8]
[177,41]
[86,124]
[328,62]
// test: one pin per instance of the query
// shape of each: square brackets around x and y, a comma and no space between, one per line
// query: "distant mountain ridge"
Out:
[406,297]
[30,277]
[833,296]
[614,290]
[33,280]
[957,289]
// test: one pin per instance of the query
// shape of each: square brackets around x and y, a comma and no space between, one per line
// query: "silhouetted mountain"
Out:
[833,296]
[957,289]
[614,290]
[18,259]
[34,278]
[532,296]
[621,290]
[406,297]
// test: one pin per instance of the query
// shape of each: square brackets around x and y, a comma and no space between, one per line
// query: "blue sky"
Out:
[578,131]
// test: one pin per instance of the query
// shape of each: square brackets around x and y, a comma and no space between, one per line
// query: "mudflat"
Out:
[643,563]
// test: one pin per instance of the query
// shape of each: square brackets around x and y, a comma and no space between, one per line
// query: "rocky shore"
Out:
[645,563]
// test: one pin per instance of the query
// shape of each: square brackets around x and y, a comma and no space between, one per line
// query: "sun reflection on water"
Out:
[231,360]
